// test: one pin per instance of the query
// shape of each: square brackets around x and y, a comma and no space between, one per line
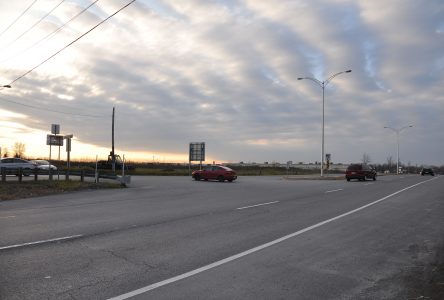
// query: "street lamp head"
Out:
[348,71]
[6,86]
[300,78]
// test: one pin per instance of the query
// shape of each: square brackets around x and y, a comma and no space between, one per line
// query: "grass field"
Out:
[11,190]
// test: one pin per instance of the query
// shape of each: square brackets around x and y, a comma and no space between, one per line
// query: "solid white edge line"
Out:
[7,217]
[268,203]
[256,249]
[332,191]
[42,242]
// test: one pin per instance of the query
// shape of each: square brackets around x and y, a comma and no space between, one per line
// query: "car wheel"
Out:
[221,178]
[348,179]
[230,180]
[374,178]
[197,177]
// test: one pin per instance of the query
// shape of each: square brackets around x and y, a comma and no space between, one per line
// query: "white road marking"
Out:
[369,183]
[7,217]
[42,242]
[332,191]
[268,203]
[253,250]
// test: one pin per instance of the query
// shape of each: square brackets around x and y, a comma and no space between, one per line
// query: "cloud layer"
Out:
[225,72]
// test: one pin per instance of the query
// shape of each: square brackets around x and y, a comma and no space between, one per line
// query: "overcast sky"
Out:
[225,73]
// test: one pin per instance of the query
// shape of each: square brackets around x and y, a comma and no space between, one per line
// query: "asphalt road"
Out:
[256,238]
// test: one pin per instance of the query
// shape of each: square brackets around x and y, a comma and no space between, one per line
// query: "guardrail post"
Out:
[36,172]
[3,171]
[67,175]
[20,174]
[82,175]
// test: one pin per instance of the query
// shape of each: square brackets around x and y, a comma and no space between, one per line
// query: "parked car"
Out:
[220,173]
[427,171]
[360,172]
[13,165]
[44,165]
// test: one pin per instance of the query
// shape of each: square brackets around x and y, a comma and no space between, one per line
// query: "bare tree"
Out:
[19,149]
[5,152]
[366,158]
[390,162]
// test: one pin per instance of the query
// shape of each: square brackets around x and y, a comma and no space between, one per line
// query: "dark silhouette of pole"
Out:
[113,156]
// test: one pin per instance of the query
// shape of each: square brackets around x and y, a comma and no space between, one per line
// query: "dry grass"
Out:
[27,189]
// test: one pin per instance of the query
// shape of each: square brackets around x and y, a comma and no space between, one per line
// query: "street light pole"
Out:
[398,131]
[323,84]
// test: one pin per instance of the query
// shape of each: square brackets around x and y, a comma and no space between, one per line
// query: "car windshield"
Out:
[41,162]
[354,167]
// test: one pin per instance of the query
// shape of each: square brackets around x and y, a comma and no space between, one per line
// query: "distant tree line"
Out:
[18,150]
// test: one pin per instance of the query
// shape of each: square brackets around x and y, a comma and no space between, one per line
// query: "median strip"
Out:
[42,242]
[262,204]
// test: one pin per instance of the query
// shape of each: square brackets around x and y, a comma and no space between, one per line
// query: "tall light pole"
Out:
[398,131]
[323,84]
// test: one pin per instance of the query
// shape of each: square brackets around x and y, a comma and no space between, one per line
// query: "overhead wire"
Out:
[21,15]
[50,34]
[94,27]
[52,110]
[34,25]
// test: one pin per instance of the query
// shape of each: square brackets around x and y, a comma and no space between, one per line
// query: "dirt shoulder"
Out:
[16,190]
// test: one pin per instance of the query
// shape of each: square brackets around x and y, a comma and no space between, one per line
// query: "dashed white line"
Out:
[268,203]
[7,217]
[42,242]
[253,250]
[332,191]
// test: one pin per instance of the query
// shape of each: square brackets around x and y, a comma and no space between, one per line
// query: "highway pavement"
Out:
[255,238]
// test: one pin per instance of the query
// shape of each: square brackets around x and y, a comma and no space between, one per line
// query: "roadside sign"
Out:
[289,163]
[197,151]
[54,140]
[327,158]
[68,145]
[55,128]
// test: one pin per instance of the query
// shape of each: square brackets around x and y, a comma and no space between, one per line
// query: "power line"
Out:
[52,110]
[49,35]
[100,23]
[21,15]
[35,24]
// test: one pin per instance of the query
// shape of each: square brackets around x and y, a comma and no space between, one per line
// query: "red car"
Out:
[360,172]
[219,173]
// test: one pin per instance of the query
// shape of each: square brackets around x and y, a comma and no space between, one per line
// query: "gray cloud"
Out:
[225,72]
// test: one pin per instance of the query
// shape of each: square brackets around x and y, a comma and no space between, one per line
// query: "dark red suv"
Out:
[360,172]
[220,173]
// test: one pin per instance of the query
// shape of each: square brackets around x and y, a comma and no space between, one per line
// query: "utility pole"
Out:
[113,157]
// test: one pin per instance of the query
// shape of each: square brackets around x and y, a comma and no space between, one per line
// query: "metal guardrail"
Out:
[20,173]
